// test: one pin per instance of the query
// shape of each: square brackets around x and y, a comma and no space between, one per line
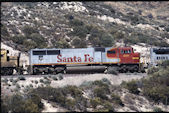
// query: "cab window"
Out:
[111,52]
[127,51]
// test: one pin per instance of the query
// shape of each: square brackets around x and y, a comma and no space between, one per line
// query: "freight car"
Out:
[52,61]
[158,55]
[10,63]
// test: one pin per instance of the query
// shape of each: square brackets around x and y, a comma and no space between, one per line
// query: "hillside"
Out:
[84,24]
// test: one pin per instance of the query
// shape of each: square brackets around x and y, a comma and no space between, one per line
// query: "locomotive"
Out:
[52,61]
[158,54]
[10,63]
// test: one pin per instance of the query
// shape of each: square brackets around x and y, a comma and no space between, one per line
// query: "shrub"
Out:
[29,44]
[157,109]
[95,101]
[131,86]
[106,40]
[61,44]
[54,78]
[76,22]
[18,103]
[45,77]
[29,30]
[86,84]
[106,81]
[77,42]
[47,82]
[36,82]
[18,86]
[116,99]
[152,70]
[41,80]
[31,86]
[100,92]
[70,104]
[108,106]
[60,76]
[38,38]
[19,39]
[73,90]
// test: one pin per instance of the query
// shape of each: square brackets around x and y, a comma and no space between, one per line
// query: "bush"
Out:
[101,92]
[41,80]
[106,81]
[38,38]
[80,31]
[18,103]
[70,104]
[29,30]
[76,22]
[19,39]
[95,101]
[78,43]
[54,78]
[152,70]
[156,109]
[108,106]
[73,90]
[86,84]
[47,82]
[60,76]
[131,86]
[36,82]
[116,99]
[61,44]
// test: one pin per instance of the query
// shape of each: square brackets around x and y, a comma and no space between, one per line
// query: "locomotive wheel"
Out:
[135,68]
[123,69]
[7,71]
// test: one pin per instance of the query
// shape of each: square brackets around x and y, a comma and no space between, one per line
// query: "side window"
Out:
[53,52]
[111,52]
[121,51]
[127,51]
[39,52]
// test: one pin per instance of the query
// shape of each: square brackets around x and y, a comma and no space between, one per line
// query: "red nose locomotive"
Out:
[51,61]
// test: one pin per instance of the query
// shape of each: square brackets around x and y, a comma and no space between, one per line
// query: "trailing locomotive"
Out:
[10,63]
[158,54]
[52,61]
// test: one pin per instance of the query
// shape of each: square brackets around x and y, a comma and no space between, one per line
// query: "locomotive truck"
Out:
[52,61]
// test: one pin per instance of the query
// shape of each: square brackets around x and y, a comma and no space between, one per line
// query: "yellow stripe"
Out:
[135,58]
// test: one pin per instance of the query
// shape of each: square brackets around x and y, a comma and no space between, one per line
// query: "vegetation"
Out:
[17,103]
[155,87]
[131,86]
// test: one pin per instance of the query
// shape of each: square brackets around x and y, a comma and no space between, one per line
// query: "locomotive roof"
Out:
[79,48]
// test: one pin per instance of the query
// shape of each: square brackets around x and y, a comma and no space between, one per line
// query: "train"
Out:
[10,63]
[52,61]
[57,60]
[158,54]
